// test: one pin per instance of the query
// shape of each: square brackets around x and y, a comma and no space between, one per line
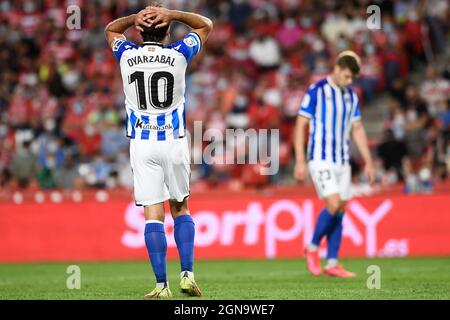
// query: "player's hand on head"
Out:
[142,19]
[159,17]
[300,171]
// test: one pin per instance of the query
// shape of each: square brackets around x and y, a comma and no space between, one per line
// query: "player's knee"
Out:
[178,208]
[342,206]
[333,206]
[151,214]
[154,212]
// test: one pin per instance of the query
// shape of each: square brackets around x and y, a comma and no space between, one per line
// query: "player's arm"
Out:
[115,29]
[360,138]
[299,142]
[199,24]
[305,114]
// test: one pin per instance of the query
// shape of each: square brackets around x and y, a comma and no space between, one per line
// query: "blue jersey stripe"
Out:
[126,124]
[161,120]
[351,106]
[350,115]
[344,109]
[133,124]
[145,134]
[184,112]
[324,124]
[312,137]
[161,135]
[334,110]
[175,123]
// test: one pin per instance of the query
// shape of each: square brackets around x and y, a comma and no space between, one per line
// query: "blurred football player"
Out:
[153,76]
[331,110]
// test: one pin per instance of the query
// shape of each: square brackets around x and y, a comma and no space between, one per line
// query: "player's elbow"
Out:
[107,32]
[107,29]
[205,30]
[209,23]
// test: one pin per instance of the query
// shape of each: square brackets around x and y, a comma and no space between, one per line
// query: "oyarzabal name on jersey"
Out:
[147,126]
[151,59]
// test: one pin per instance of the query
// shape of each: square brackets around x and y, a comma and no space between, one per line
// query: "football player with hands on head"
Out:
[153,77]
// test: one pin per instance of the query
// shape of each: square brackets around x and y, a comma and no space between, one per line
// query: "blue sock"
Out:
[334,237]
[323,225]
[155,240]
[184,237]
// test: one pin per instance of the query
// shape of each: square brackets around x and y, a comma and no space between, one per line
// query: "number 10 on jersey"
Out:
[153,87]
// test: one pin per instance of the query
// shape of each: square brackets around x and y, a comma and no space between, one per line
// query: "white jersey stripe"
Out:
[318,136]
[180,112]
[339,125]
[329,122]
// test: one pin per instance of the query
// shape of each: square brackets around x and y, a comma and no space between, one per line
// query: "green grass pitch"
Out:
[401,278]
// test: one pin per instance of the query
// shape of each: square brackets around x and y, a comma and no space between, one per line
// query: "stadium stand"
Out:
[61,103]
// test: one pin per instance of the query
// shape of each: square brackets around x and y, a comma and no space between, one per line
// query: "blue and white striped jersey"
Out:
[153,79]
[331,111]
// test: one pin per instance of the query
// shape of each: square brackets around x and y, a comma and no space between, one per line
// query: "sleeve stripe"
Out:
[199,40]
[120,45]
[116,39]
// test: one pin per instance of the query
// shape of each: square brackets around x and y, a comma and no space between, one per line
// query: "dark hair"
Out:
[349,61]
[152,34]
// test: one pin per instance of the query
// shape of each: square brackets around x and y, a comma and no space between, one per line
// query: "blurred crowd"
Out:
[62,119]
